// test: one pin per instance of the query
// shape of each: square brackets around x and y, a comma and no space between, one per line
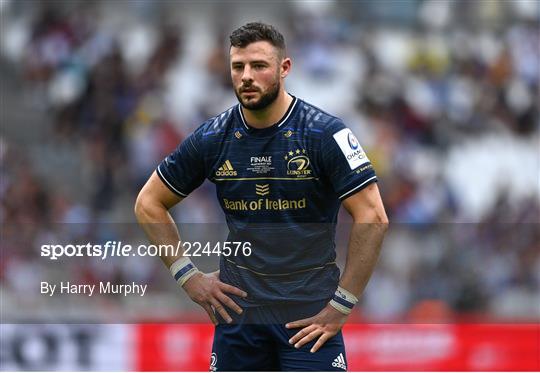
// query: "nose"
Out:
[246,75]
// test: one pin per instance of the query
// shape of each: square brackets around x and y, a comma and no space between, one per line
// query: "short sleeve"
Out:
[183,170]
[344,161]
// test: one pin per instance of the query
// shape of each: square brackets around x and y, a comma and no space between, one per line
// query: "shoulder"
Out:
[216,125]
[315,119]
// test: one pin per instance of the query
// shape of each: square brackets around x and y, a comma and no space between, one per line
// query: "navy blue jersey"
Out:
[280,189]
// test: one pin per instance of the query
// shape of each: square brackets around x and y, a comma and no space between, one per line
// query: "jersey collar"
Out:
[276,125]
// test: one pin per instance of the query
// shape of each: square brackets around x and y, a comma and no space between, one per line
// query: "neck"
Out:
[269,115]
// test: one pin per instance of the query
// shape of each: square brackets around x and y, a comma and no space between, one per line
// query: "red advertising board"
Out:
[382,347]
[435,347]
[173,347]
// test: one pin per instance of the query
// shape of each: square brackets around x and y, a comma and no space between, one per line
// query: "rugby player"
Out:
[281,167]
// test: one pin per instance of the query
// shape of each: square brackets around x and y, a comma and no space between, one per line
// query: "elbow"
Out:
[380,220]
[375,217]
[383,221]
[381,217]
[141,207]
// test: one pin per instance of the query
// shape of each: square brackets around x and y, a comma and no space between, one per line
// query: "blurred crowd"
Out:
[443,95]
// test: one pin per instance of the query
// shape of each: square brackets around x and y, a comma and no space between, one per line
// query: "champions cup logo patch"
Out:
[353,152]
[298,163]
[226,169]
[353,142]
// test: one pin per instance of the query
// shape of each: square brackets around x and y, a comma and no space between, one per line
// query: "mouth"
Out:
[248,90]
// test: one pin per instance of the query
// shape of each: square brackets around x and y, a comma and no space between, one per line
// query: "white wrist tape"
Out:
[343,301]
[182,270]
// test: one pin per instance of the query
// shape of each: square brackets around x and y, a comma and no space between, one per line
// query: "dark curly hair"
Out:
[257,31]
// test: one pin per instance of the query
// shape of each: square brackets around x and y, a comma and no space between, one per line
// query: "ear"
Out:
[285,68]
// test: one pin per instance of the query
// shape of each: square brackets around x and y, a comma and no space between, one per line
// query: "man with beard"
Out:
[281,167]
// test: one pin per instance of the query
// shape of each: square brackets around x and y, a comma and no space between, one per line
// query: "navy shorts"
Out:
[257,340]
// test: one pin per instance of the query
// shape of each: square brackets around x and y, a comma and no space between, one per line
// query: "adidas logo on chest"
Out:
[226,169]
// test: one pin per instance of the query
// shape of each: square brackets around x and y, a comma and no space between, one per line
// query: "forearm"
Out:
[363,252]
[152,212]
[159,227]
